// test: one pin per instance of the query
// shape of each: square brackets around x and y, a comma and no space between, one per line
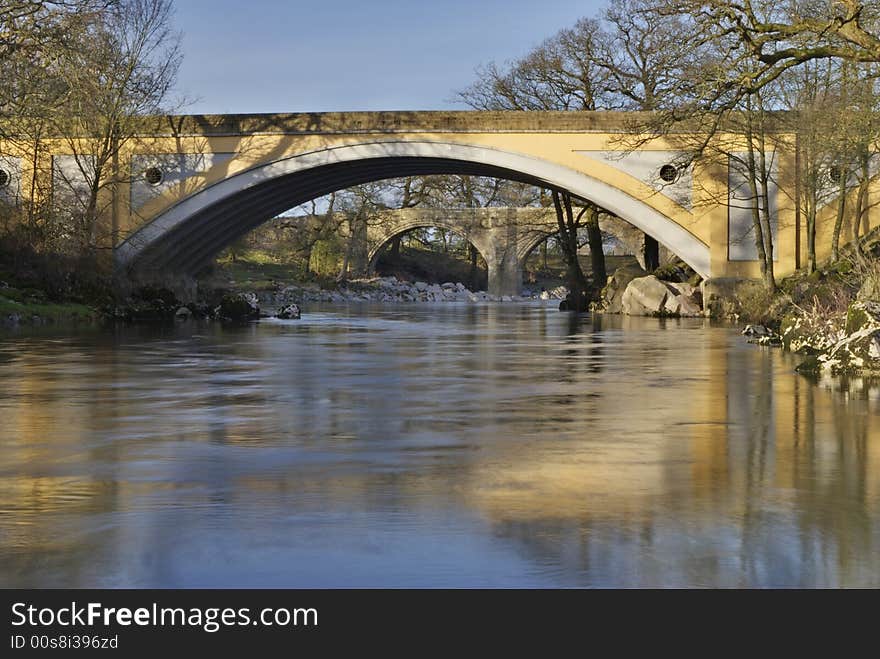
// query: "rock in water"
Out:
[761,335]
[288,312]
[183,313]
[238,307]
[612,294]
[644,296]
[648,296]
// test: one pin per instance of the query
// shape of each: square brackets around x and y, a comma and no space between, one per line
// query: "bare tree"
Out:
[563,73]
[645,60]
[123,68]
[778,36]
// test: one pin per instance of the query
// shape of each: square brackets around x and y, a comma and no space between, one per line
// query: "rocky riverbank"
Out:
[392,290]
[831,318]
[840,344]
[285,301]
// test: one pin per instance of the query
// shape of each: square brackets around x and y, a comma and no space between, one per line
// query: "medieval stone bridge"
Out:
[188,186]
[503,236]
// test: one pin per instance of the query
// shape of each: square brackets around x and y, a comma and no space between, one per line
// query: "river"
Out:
[430,445]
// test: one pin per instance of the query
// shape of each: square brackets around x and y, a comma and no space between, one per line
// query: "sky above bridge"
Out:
[248,56]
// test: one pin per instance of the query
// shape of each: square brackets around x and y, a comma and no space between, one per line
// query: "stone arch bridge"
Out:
[503,236]
[186,187]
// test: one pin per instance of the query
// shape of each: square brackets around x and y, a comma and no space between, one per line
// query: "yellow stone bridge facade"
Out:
[186,187]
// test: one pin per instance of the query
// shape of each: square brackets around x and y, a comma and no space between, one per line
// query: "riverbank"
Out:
[830,318]
[30,307]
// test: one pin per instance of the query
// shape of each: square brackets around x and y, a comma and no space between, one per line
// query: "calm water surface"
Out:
[426,445]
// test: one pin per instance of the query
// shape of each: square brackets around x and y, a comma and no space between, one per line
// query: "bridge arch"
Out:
[477,239]
[480,243]
[190,233]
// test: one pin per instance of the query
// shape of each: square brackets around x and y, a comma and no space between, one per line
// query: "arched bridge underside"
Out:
[188,235]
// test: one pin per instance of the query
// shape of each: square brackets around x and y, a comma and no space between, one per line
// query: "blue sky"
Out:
[243,56]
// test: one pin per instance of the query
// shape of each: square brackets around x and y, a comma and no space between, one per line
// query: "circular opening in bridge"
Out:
[669,173]
[834,173]
[4,178]
[154,175]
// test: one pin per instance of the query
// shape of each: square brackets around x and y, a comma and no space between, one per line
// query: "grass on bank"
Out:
[31,310]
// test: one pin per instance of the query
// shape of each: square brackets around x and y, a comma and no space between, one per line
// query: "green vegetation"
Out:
[44,288]
[29,308]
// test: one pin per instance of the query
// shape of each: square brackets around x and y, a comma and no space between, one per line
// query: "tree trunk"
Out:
[90,219]
[394,248]
[767,227]
[811,237]
[651,253]
[861,204]
[575,279]
[752,175]
[597,254]
[841,211]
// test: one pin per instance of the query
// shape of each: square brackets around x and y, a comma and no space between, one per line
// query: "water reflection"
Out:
[431,446]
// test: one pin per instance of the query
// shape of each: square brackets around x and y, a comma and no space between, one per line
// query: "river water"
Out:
[430,445]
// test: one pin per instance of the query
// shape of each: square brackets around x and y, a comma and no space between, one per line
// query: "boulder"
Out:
[238,307]
[756,331]
[612,294]
[421,286]
[648,296]
[685,300]
[644,296]
[183,313]
[288,312]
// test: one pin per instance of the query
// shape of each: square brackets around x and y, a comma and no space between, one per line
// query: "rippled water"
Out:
[437,445]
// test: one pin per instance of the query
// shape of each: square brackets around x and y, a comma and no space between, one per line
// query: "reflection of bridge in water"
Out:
[189,186]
